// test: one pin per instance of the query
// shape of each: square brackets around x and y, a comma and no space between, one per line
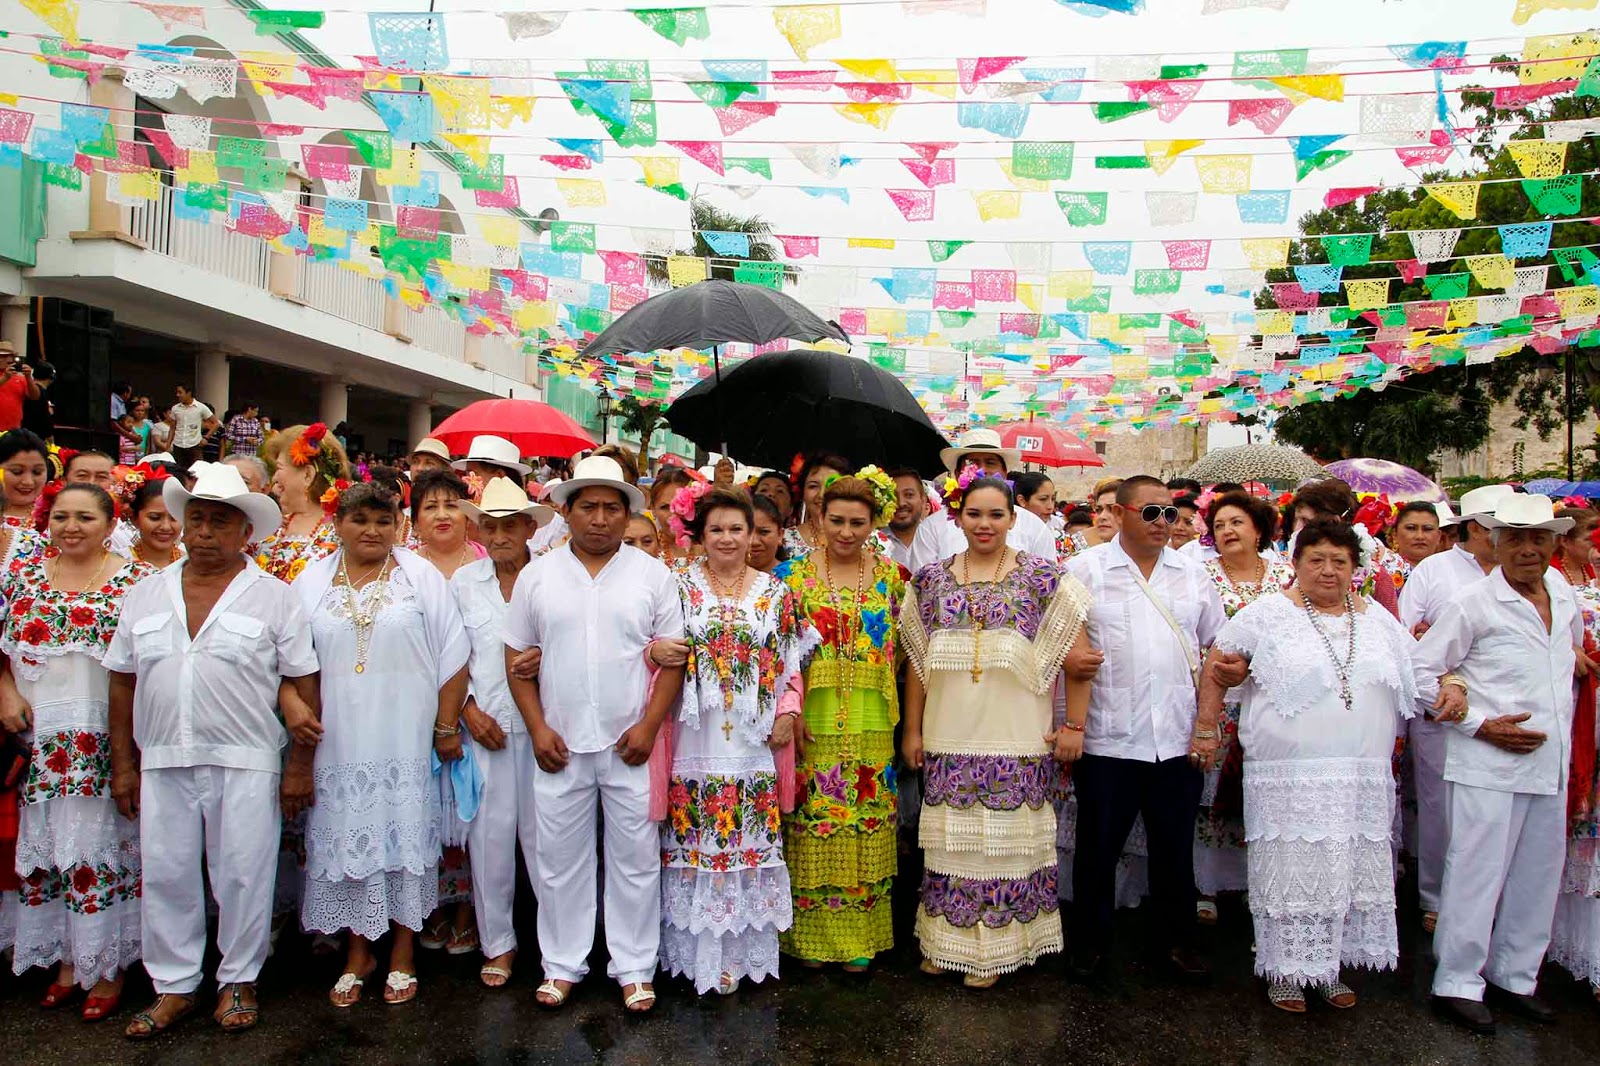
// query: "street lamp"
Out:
[604,407]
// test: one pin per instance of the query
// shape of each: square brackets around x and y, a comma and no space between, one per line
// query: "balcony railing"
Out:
[342,293]
[213,248]
[436,331]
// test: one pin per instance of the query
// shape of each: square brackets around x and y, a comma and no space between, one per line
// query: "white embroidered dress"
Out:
[373,835]
[725,893]
[1319,787]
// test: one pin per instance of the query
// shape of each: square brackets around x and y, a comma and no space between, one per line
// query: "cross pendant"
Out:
[727,729]
[977,673]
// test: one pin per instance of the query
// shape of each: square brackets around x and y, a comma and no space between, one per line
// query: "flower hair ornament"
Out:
[1376,513]
[311,449]
[1575,501]
[883,491]
[1202,514]
[126,481]
[682,510]
[953,490]
[1369,546]
[46,500]
[330,498]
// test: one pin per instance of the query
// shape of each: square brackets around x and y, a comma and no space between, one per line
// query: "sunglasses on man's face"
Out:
[1152,512]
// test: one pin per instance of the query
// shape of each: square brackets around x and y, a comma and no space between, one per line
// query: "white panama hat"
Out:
[601,470]
[1526,511]
[1484,500]
[980,441]
[496,451]
[432,446]
[221,483]
[502,499]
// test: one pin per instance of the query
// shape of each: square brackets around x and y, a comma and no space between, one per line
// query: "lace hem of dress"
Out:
[1023,831]
[1309,949]
[362,852]
[1575,937]
[89,968]
[1308,877]
[366,906]
[1581,874]
[726,904]
[356,787]
[1318,799]
[69,831]
[988,952]
[704,957]
[99,945]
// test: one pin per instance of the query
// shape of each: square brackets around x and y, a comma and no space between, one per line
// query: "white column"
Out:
[211,379]
[335,402]
[419,421]
[14,326]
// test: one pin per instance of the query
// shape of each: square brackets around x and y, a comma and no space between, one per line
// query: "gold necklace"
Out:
[363,618]
[55,582]
[461,560]
[173,555]
[1261,573]
[728,602]
[977,623]
[849,626]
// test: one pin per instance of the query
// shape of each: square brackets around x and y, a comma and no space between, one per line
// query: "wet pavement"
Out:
[895,1015]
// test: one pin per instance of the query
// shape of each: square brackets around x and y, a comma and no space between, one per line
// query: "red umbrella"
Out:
[1048,445]
[535,428]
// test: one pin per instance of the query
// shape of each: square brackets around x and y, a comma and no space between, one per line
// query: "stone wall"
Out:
[1164,453]
[1498,456]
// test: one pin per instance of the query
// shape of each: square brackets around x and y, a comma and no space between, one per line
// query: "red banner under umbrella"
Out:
[1048,445]
[535,428]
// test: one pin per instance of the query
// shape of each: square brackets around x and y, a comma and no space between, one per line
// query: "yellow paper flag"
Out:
[1303,87]
[998,203]
[1130,367]
[319,234]
[537,314]
[582,192]
[1224,174]
[937,82]
[1461,197]
[504,110]
[464,277]
[1367,294]
[881,243]
[404,169]
[1025,184]
[59,15]
[1274,323]
[659,170]
[268,66]
[1492,271]
[499,230]
[1162,154]
[202,168]
[876,115]
[462,103]
[1463,312]
[1578,300]
[806,27]
[885,321]
[870,69]
[1557,57]
[1029,295]
[1538,159]
[685,270]
[1526,9]
[1265,253]
[474,146]
[140,184]
[1071,284]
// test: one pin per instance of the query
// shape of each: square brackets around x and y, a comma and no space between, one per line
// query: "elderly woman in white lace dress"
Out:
[1330,681]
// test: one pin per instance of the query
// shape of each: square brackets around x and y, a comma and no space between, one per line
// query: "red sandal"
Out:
[59,996]
[98,1008]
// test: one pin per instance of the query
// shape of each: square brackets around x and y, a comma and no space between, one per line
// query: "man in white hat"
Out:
[491,457]
[1432,584]
[197,749]
[506,519]
[939,538]
[1497,666]
[592,606]
[429,454]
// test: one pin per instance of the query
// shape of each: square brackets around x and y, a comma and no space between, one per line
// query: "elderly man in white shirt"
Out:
[1154,614]
[592,607]
[1503,653]
[1432,584]
[939,537]
[204,655]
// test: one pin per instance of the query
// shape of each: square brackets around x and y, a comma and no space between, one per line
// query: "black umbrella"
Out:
[711,313]
[768,408]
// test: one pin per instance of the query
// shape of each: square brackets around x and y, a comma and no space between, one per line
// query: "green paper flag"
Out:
[1279,63]
[1083,208]
[1041,160]
[1156,282]
[206,197]
[955,319]
[1320,161]
[721,93]
[675,190]
[754,273]
[1115,110]
[676,24]
[105,145]
[1446,286]
[490,177]
[1555,196]
[270,22]
[939,251]
[1178,73]
[890,359]
[409,256]
[1589,84]
[1575,264]
[754,164]
[572,236]
[1121,162]
[1350,249]
[1178,333]
[266,175]
[376,147]
[591,320]
[1098,300]
[64,175]
[241,151]
[1143,320]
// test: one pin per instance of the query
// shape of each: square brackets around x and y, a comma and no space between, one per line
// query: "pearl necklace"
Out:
[728,602]
[1340,669]
[364,618]
[977,623]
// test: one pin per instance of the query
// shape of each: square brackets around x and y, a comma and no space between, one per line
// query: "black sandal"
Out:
[239,1009]
[147,1018]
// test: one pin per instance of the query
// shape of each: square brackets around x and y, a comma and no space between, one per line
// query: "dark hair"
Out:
[102,499]
[144,494]
[186,386]
[1080,515]
[86,452]
[814,460]
[1331,498]
[1332,531]
[1186,499]
[1262,515]
[897,472]
[1027,483]
[385,475]
[430,482]
[1001,484]
[1222,488]
[1130,487]
[1185,484]
[718,500]
[16,441]
[367,496]
[773,475]
[765,505]
[1416,507]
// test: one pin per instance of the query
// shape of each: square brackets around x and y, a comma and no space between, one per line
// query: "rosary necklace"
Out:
[1340,669]
[722,650]
[849,626]
[977,623]
[363,617]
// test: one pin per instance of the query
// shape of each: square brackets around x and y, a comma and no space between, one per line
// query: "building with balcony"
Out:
[110,287]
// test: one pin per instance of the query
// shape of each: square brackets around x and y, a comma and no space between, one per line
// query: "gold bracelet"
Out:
[1205,734]
[1454,679]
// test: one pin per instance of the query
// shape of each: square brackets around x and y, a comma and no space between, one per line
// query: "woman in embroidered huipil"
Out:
[1241,528]
[840,841]
[986,632]
[725,892]
[77,857]
[308,465]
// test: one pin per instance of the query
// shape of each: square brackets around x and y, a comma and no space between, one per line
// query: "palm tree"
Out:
[707,217]
[642,419]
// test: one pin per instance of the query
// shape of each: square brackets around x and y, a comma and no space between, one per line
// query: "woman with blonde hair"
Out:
[308,466]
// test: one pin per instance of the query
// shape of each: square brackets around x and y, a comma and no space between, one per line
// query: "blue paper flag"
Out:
[1108,257]
[819,192]
[611,100]
[425,193]
[1000,118]
[1306,147]
[347,215]
[409,116]
[593,149]
[1319,277]
[83,123]
[54,146]
[412,41]
[1065,83]
[1528,240]
[1263,206]
[734,245]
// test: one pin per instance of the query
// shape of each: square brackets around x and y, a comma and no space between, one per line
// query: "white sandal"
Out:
[554,992]
[1205,911]
[1334,990]
[400,983]
[641,994]
[347,983]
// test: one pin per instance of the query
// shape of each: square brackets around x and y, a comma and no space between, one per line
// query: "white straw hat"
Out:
[980,441]
[1482,501]
[1526,511]
[502,499]
[432,446]
[496,451]
[599,470]
[221,483]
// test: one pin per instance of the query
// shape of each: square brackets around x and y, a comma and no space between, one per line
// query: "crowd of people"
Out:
[383,684]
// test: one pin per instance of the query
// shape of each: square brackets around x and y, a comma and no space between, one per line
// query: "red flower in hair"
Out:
[41,506]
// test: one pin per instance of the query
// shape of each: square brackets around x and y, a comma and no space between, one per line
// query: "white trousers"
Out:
[505,819]
[231,818]
[1501,876]
[564,867]
[1433,809]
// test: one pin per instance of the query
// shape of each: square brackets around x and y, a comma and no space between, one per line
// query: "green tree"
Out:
[706,217]
[1417,415]
[643,419]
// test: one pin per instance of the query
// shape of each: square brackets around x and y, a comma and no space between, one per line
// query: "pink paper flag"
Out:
[337,84]
[853,320]
[172,15]
[1021,323]
[1429,315]
[994,286]
[1514,96]
[1540,305]
[1549,345]
[419,222]
[1411,269]
[569,162]
[795,247]
[625,297]
[132,157]
[623,268]
[936,172]
[952,296]
[15,125]
[929,150]
[508,196]
[777,344]
[109,51]
[1350,195]
[1291,297]
[973,71]
[1187,255]
[1419,157]
[1265,114]
[707,153]
[279,129]
[815,81]
[743,114]
[311,94]
[526,286]
[327,161]
[867,92]
[915,204]
[170,153]
[259,220]
[1170,97]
